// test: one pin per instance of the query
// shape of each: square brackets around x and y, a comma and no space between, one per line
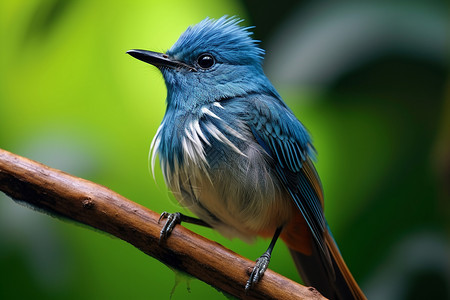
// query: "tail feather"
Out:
[333,281]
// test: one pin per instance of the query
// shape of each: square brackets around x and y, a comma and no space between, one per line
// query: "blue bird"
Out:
[233,153]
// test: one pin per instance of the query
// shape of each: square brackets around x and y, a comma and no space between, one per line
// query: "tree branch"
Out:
[83,201]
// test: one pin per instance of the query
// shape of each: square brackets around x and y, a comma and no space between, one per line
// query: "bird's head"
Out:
[212,60]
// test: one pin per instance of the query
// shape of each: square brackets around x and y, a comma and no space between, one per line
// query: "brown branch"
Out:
[83,201]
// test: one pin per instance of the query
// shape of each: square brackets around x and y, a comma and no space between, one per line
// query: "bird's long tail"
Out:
[334,281]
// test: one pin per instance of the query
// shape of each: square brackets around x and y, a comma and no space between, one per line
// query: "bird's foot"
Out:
[172,221]
[258,271]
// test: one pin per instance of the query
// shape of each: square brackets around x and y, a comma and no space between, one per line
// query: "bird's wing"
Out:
[287,141]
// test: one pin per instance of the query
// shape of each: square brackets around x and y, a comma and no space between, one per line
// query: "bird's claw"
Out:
[172,220]
[258,271]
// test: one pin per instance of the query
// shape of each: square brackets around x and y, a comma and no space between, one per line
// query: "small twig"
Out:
[83,201]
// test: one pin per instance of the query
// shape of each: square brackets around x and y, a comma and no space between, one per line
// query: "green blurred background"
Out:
[368,78]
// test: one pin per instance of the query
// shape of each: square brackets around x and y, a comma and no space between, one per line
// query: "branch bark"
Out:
[61,194]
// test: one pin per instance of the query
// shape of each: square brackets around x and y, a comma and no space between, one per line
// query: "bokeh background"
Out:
[368,78]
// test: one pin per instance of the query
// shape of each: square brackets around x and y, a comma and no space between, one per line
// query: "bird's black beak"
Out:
[158,59]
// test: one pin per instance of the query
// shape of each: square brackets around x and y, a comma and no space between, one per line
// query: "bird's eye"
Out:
[205,61]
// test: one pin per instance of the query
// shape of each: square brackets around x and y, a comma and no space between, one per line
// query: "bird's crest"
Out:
[223,35]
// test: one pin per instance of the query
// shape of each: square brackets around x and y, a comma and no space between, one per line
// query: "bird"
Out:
[233,153]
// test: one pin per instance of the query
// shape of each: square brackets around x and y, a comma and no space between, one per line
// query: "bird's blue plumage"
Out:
[215,116]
